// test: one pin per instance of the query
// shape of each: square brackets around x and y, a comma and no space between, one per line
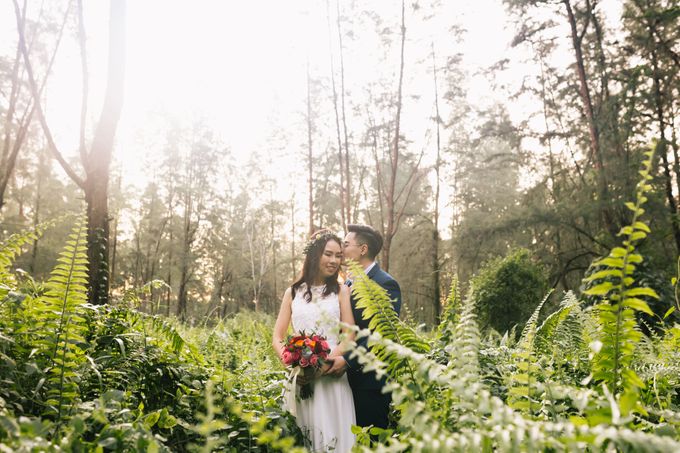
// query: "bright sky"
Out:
[241,66]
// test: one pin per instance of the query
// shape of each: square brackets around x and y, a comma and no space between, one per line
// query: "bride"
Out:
[316,302]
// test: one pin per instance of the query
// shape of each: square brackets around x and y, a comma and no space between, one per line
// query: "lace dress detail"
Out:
[327,417]
[320,315]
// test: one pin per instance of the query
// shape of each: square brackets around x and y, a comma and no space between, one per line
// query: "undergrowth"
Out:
[76,377]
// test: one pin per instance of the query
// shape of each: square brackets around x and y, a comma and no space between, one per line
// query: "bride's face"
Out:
[330,259]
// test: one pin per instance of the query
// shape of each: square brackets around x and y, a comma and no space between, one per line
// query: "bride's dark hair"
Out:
[310,269]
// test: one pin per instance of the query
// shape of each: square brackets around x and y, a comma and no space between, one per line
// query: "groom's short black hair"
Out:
[368,235]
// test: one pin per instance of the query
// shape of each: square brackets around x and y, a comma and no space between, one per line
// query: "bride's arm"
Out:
[282,323]
[347,317]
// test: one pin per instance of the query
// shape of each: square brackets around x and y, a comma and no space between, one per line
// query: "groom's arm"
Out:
[394,293]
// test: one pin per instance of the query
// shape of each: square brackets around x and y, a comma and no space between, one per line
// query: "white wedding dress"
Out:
[327,416]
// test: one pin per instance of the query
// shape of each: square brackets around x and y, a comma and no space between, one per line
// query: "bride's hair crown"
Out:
[320,237]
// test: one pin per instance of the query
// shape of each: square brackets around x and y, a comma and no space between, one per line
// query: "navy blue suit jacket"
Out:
[355,375]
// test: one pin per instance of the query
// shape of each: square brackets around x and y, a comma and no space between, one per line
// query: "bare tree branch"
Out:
[36,96]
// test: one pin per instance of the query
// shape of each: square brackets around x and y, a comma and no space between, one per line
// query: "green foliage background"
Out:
[507,290]
[77,377]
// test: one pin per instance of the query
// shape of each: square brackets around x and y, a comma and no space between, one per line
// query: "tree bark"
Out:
[95,184]
[187,239]
[114,248]
[343,193]
[99,159]
[310,161]
[394,156]
[43,170]
[436,267]
[348,178]
[663,143]
[594,133]
[292,237]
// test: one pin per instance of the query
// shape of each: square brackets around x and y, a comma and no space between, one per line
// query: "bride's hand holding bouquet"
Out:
[307,355]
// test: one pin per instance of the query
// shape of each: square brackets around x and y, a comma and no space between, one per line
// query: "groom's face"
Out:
[351,249]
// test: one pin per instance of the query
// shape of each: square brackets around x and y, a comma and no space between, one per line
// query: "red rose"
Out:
[314,361]
[304,362]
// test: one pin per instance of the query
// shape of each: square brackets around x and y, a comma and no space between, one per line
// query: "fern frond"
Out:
[524,387]
[61,313]
[529,331]
[546,333]
[164,330]
[621,299]
[449,319]
[452,308]
[383,320]
[13,246]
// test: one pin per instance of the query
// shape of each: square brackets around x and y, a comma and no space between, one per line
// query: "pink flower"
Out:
[304,362]
[287,357]
[324,345]
[314,361]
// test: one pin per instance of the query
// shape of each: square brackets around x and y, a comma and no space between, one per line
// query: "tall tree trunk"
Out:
[187,240]
[99,160]
[343,191]
[594,134]
[114,249]
[551,165]
[348,178]
[168,279]
[43,170]
[676,153]
[97,163]
[272,226]
[663,145]
[436,267]
[292,238]
[310,161]
[394,155]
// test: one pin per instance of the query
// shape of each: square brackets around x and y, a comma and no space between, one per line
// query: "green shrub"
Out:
[507,290]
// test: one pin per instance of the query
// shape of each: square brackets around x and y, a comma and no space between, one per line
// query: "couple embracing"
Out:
[343,395]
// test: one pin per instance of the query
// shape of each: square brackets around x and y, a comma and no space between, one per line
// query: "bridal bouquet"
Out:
[305,354]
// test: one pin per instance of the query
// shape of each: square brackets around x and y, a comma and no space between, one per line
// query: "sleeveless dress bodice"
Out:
[321,315]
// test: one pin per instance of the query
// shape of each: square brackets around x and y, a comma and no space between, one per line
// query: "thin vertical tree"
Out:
[589,111]
[348,177]
[391,195]
[97,160]
[310,153]
[16,123]
[436,265]
[341,161]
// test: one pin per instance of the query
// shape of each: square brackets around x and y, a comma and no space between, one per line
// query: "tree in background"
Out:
[19,106]
[97,160]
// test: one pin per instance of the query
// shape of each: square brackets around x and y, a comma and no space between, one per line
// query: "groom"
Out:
[362,244]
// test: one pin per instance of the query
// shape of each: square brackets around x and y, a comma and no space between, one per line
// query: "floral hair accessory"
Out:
[322,236]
